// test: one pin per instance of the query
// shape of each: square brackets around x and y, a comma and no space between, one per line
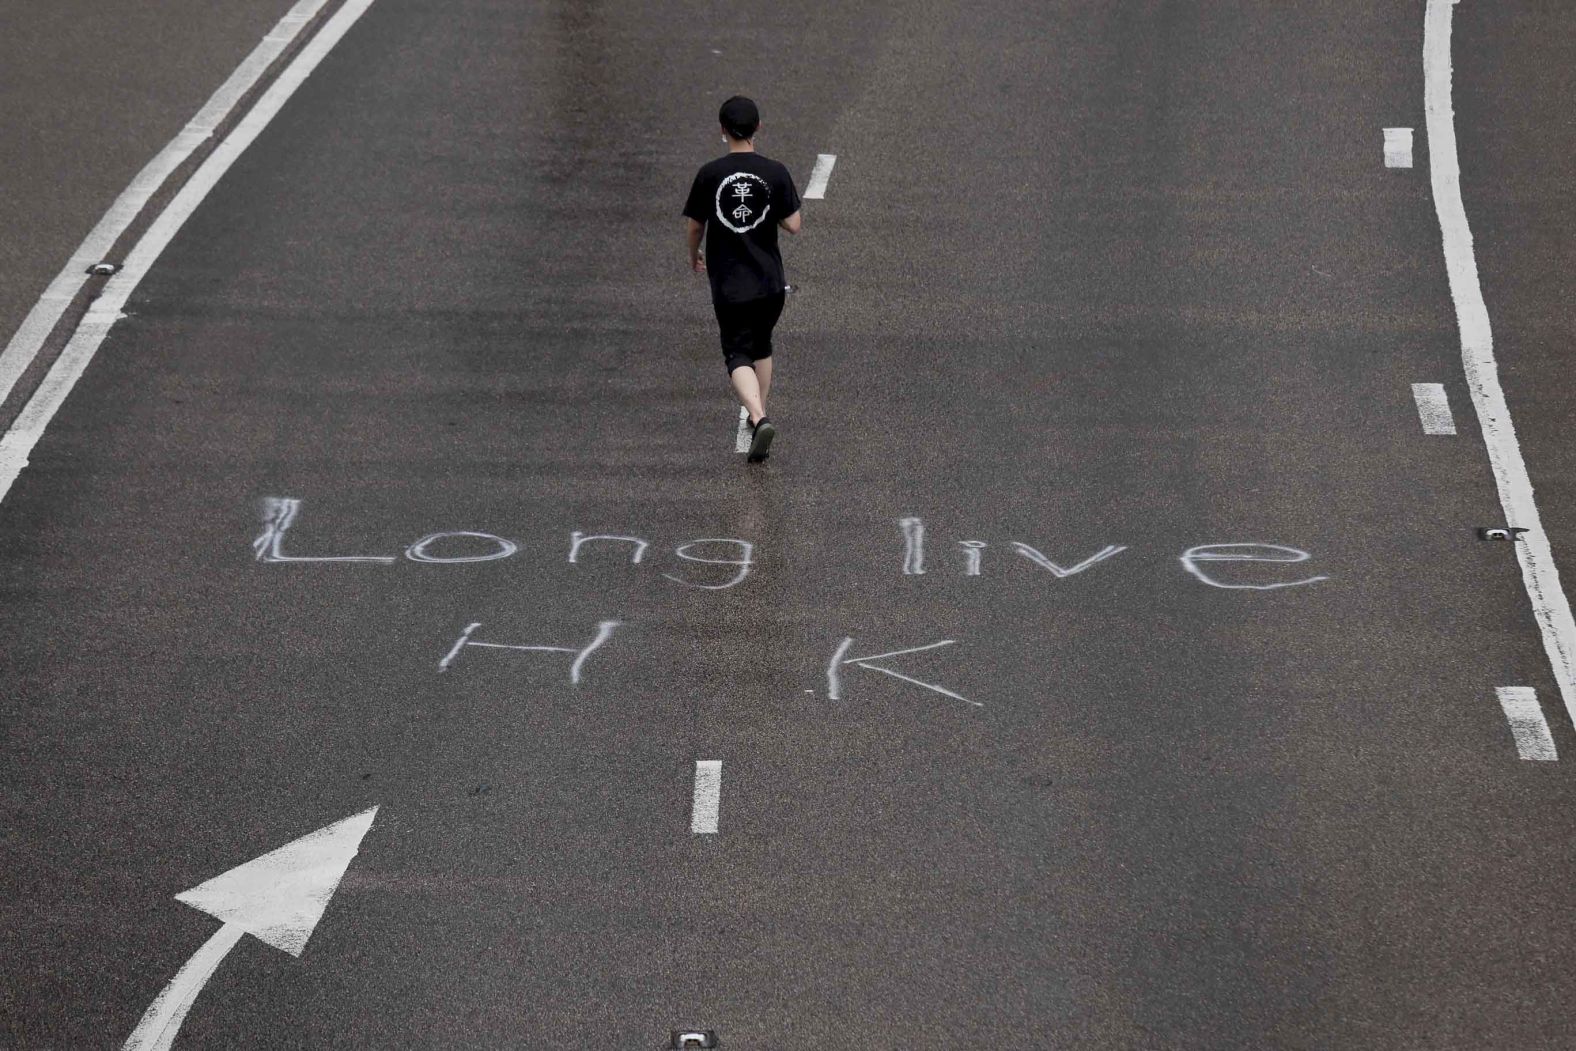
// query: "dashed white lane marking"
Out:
[18,442]
[1539,574]
[1433,408]
[1527,724]
[741,441]
[913,546]
[708,796]
[820,175]
[24,344]
[1398,147]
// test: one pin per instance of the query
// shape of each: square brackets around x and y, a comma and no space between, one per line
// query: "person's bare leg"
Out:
[763,375]
[748,388]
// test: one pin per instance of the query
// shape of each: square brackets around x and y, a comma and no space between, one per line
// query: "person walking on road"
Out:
[740,200]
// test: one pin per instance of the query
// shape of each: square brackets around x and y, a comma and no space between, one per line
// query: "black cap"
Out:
[739,117]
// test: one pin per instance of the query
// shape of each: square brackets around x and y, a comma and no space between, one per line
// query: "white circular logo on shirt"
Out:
[742,201]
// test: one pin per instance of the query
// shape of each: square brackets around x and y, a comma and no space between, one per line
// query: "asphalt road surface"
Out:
[1095,288]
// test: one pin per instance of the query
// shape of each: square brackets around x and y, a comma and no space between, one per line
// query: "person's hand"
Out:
[698,264]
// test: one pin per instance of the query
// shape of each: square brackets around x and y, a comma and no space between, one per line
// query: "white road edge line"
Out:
[25,343]
[1433,408]
[708,796]
[820,175]
[1538,571]
[18,442]
[741,441]
[1527,724]
[1397,147]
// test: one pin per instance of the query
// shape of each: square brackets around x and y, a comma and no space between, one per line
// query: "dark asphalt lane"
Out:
[1086,275]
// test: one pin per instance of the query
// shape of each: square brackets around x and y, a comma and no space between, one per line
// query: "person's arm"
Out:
[692,232]
[791,224]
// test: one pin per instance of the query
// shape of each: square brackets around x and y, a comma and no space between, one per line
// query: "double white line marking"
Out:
[18,442]
[46,313]
[1539,574]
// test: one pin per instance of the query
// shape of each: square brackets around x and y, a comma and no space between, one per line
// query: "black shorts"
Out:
[747,329]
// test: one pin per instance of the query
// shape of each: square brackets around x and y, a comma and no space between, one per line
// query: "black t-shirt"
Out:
[741,197]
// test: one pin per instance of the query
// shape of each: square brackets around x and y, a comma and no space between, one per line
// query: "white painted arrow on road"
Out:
[278,897]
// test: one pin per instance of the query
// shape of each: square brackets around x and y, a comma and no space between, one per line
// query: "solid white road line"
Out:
[18,442]
[1433,408]
[741,441]
[820,175]
[708,796]
[1527,724]
[1398,147]
[41,320]
[1539,573]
